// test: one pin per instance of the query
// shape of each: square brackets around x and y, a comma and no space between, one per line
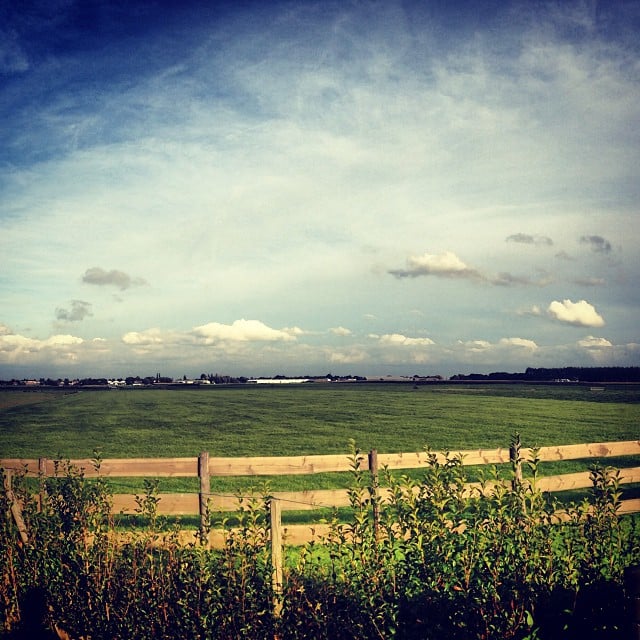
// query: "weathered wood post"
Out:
[205,489]
[42,474]
[373,490]
[15,508]
[516,461]
[275,514]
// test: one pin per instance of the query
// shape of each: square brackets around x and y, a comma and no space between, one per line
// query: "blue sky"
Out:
[304,187]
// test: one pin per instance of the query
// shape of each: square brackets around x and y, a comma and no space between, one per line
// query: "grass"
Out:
[309,419]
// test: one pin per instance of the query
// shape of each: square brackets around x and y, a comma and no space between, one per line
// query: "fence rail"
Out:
[205,466]
[295,465]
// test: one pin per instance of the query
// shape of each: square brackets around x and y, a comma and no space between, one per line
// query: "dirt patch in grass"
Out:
[20,398]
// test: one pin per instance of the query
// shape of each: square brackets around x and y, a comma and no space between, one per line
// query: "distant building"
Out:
[278,380]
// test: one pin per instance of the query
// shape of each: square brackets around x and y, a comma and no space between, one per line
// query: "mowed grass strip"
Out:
[312,419]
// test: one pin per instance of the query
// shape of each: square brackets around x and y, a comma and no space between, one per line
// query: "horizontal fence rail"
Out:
[205,466]
[295,465]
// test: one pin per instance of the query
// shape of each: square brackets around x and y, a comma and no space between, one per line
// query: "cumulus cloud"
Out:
[596,243]
[444,265]
[149,337]
[15,348]
[397,339]
[295,331]
[474,346]
[115,278]
[519,342]
[591,342]
[525,238]
[340,331]
[79,311]
[580,314]
[240,331]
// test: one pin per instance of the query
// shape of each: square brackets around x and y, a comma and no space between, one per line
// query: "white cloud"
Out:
[474,346]
[295,331]
[149,337]
[397,339]
[580,314]
[444,265]
[240,331]
[61,341]
[19,349]
[591,342]
[519,342]
[340,331]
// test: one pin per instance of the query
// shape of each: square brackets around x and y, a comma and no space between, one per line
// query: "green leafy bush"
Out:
[422,558]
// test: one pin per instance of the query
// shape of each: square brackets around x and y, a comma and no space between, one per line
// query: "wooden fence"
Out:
[205,466]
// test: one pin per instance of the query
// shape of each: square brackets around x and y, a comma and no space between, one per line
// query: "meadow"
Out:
[310,419]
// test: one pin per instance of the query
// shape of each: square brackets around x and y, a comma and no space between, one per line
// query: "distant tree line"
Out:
[531,374]
[565,374]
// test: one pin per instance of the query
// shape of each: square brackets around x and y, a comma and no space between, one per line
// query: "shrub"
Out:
[426,558]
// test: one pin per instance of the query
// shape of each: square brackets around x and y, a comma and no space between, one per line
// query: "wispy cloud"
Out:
[597,243]
[525,238]
[509,279]
[77,312]
[590,282]
[449,265]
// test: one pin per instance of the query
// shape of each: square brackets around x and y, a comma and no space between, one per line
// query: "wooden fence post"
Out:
[42,474]
[373,490]
[275,513]
[205,488]
[16,511]
[516,461]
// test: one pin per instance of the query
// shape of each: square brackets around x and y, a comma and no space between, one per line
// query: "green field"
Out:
[309,419]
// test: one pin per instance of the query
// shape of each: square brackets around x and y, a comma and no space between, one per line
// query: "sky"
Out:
[364,187]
